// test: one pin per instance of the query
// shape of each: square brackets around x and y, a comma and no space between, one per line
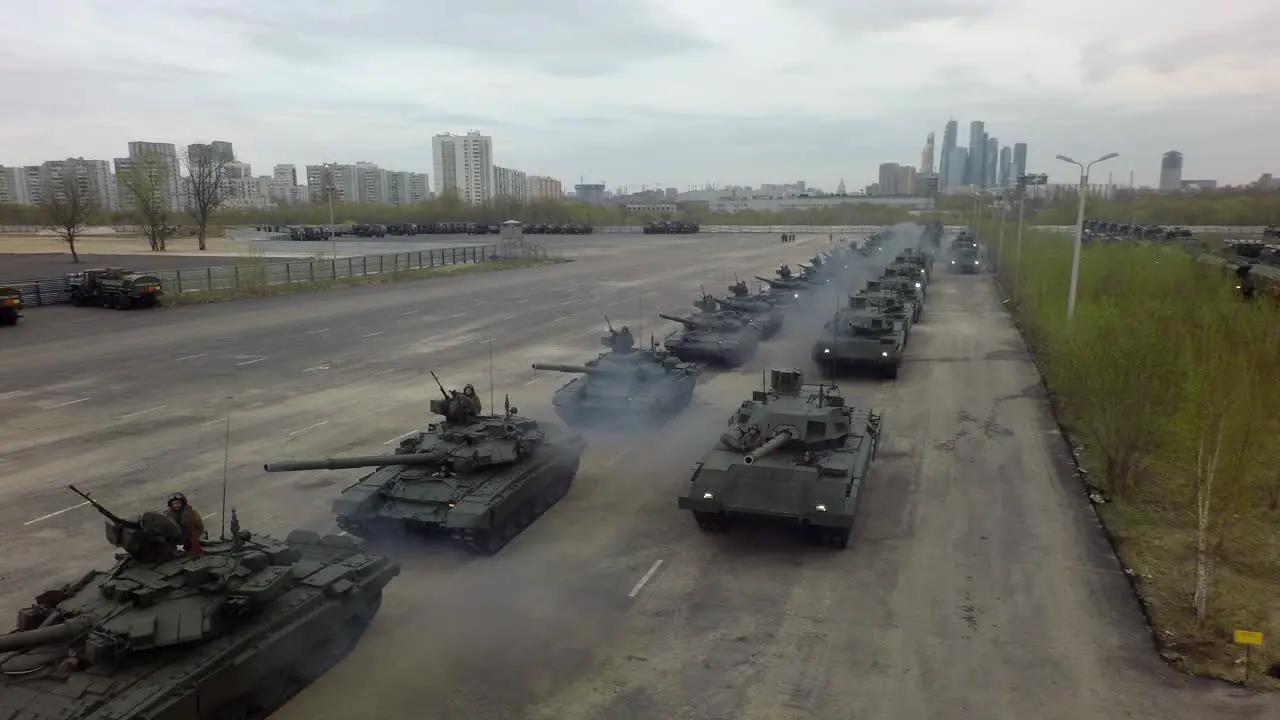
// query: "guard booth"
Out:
[512,242]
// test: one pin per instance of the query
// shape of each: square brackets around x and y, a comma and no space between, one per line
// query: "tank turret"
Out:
[775,442]
[350,463]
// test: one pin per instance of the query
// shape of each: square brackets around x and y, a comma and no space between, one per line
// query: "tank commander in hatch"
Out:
[752,439]
[623,339]
[188,522]
[469,396]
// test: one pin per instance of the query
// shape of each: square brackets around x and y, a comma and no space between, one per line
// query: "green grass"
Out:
[1161,357]
[262,289]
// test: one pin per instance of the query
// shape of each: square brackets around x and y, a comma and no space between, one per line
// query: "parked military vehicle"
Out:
[673,227]
[793,452]
[224,628]
[918,258]
[726,341]
[861,342]
[116,288]
[883,302]
[904,268]
[628,384]
[10,305]
[767,314]
[911,292]
[476,479]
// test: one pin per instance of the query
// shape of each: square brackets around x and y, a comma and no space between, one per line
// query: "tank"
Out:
[229,628]
[884,303]
[477,480]
[794,285]
[769,315]
[910,290]
[860,341]
[793,452]
[725,341]
[625,384]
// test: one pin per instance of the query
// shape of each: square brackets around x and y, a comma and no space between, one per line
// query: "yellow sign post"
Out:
[1249,639]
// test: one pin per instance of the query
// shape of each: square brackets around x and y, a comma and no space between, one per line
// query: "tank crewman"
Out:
[784,271]
[469,392]
[623,339]
[188,522]
[752,439]
[1247,283]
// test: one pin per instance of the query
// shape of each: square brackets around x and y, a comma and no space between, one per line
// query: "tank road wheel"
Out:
[711,522]
[487,542]
[838,538]
[328,652]
[126,302]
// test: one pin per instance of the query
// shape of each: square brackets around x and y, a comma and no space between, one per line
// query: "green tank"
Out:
[861,341]
[793,452]
[768,314]
[229,629]
[10,305]
[910,290]
[646,386]
[476,479]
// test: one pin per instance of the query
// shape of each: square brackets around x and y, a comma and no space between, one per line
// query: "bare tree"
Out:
[206,186]
[68,205]
[148,185]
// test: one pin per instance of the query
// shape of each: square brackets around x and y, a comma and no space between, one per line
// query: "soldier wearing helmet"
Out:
[188,522]
[469,394]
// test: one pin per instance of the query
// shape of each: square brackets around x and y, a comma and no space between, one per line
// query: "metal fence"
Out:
[51,291]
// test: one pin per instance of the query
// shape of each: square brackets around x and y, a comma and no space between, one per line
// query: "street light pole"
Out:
[1075,252]
[329,190]
[1000,247]
[1023,182]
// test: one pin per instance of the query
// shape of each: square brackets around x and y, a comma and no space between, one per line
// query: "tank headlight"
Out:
[884,354]
[953,262]
[917,286]
[820,508]
[826,351]
[977,262]
[708,496]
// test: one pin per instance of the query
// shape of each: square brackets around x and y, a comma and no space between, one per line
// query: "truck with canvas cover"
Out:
[793,452]
[475,479]
[116,288]
[185,628]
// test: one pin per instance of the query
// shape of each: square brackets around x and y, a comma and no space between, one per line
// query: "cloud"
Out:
[649,91]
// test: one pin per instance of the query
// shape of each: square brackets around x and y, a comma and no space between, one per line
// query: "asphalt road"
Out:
[977,584]
[39,266]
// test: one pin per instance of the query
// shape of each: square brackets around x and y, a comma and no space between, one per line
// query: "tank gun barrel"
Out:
[774,443]
[579,369]
[350,463]
[687,322]
[27,639]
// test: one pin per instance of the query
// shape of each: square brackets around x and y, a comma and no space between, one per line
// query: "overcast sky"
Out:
[658,92]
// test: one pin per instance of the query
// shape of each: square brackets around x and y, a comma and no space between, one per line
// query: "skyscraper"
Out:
[948,146]
[464,164]
[888,179]
[957,159]
[992,158]
[1171,171]
[1019,161]
[977,164]
[926,157]
[1006,166]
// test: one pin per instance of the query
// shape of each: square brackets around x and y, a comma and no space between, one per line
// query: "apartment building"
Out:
[92,177]
[511,184]
[13,185]
[160,160]
[343,179]
[464,164]
[249,192]
[542,187]
[407,188]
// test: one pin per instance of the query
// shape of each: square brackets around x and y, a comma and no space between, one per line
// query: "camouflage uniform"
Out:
[188,521]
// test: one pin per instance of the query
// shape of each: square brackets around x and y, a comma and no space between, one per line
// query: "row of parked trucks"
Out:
[303,233]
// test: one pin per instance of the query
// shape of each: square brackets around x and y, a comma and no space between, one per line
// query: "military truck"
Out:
[10,305]
[184,628]
[793,452]
[725,341]
[115,288]
[627,384]
[861,342]
[475,479]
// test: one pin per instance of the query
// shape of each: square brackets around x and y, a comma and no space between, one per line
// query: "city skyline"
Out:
[573,93]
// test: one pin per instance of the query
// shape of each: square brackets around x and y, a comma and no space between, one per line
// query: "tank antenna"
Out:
[491,373]
[640,321]
[226,463]
[835,339]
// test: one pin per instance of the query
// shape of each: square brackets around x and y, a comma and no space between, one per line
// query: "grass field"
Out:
[1166,382]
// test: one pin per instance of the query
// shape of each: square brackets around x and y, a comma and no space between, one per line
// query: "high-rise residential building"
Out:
[511,184]
[13,186]
[976,166]
[957,161]
[948,146]
[163,161]
[926,157]
[545,188]
[219,150]
[906,180]
[93,178]
[406,188]
[464,164]
[285,175]
[1006,166]
[1019,161]
[1171,171]
[341,180]
[888,178]
[992,158]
